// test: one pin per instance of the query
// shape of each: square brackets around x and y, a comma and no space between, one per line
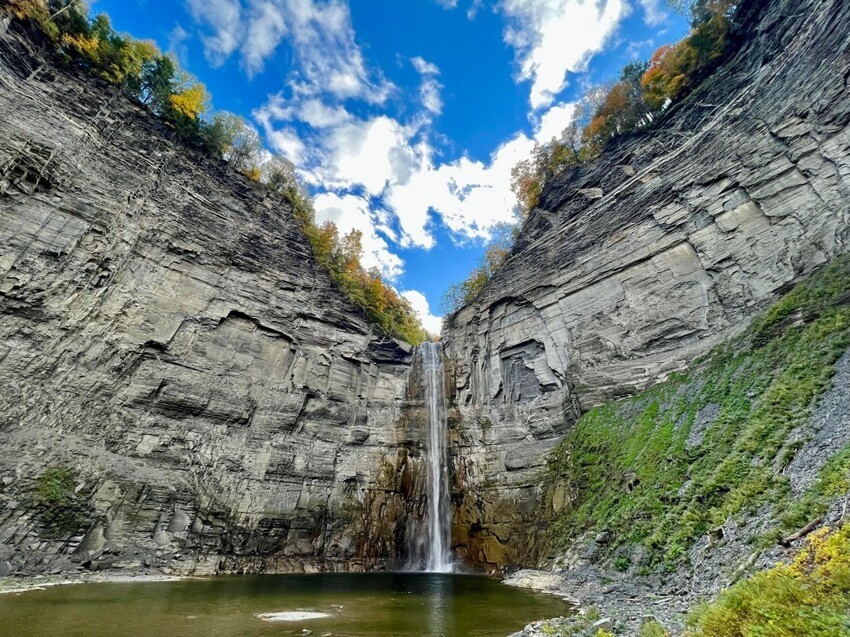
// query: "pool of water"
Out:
[374,605]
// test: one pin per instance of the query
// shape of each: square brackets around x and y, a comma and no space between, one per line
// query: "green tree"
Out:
[245,147]
[279,174]
[219,133]
[153,87]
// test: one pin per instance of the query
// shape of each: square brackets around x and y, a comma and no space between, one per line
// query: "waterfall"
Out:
[437,535]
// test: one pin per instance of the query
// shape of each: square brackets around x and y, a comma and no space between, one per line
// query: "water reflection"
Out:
[441,611]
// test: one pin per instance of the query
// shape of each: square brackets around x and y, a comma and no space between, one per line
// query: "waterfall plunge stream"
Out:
[433,538]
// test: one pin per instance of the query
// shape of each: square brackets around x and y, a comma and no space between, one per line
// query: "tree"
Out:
[219,133]
[279,174]
[659,81]
[33,9]
[191,100]
[351,250]
[324,240]
[245,147]
[154,85]
[548,160]
[623,108]
[69,16]
[459,294]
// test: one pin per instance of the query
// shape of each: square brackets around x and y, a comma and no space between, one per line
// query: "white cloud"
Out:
[474,6]
[350,212]
[319,115]
[470,196]
[637,49]
[653,13]
[429,92]
[553,121]
[371,153]
[327,57]
[177,44]
[330,59]
[311,111]
[286,142]
[555,37]
[432,324]
[381,156]
[266,28]
[224,17]
[393,162]
[424,67]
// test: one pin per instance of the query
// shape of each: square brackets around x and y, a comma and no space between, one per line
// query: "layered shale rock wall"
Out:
[635,265]
[167,338]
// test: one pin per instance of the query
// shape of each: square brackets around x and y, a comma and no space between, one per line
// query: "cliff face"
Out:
[633,266]
[166,336]
[167,341]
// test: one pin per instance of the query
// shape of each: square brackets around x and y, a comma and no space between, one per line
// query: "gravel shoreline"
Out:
[618,605]
[26,584]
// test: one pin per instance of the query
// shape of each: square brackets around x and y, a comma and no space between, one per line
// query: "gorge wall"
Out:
[635,265]
[167,338]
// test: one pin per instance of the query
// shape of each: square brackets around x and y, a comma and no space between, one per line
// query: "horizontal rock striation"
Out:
[637,264]
[167,337]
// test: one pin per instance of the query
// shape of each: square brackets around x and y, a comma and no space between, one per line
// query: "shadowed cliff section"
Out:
[666,246]
[184,388]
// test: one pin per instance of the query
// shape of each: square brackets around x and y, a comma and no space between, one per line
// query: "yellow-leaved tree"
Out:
[191,102]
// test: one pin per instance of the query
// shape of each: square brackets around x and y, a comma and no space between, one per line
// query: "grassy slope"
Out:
[627,466]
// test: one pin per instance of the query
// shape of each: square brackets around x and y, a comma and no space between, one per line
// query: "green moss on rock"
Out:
[60,510]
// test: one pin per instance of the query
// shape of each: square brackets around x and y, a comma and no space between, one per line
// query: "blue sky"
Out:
[404,117]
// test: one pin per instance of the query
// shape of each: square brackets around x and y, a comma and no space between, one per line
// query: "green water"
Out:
[374,605]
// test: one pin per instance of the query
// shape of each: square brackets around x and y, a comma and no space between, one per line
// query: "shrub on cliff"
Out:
[807,597]
[59,509]
[459,294]
[675,69]
[341,257]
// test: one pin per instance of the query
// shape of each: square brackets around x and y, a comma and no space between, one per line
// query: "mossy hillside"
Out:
[629,467]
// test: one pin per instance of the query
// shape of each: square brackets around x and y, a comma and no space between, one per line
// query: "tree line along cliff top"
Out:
[156,81]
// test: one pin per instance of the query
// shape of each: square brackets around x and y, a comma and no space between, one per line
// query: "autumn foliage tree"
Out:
[623,108]
[642,93]
[341,256]
[675,69]
[552,158]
